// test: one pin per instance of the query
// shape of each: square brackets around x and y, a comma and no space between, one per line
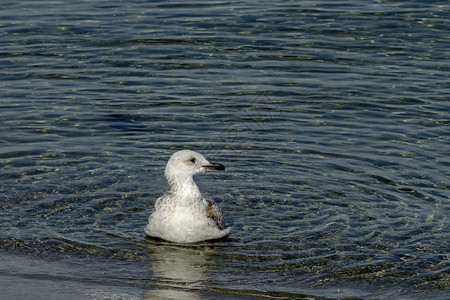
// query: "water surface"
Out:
[330,116]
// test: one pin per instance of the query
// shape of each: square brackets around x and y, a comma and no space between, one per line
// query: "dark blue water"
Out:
[332,118]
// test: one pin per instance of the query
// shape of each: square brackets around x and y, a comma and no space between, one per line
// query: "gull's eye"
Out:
[193,160]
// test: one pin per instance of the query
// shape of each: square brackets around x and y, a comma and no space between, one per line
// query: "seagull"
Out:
[183,214]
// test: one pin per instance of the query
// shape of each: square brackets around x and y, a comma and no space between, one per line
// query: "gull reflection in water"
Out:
[180,271]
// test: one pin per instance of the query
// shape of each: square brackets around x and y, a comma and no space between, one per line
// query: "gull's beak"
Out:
[214,166]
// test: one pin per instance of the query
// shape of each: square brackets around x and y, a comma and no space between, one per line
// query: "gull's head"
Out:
[186,163]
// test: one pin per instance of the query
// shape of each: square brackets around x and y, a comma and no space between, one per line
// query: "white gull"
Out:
[183,214]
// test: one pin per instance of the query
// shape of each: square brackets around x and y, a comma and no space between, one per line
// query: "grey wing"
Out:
[214,212]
